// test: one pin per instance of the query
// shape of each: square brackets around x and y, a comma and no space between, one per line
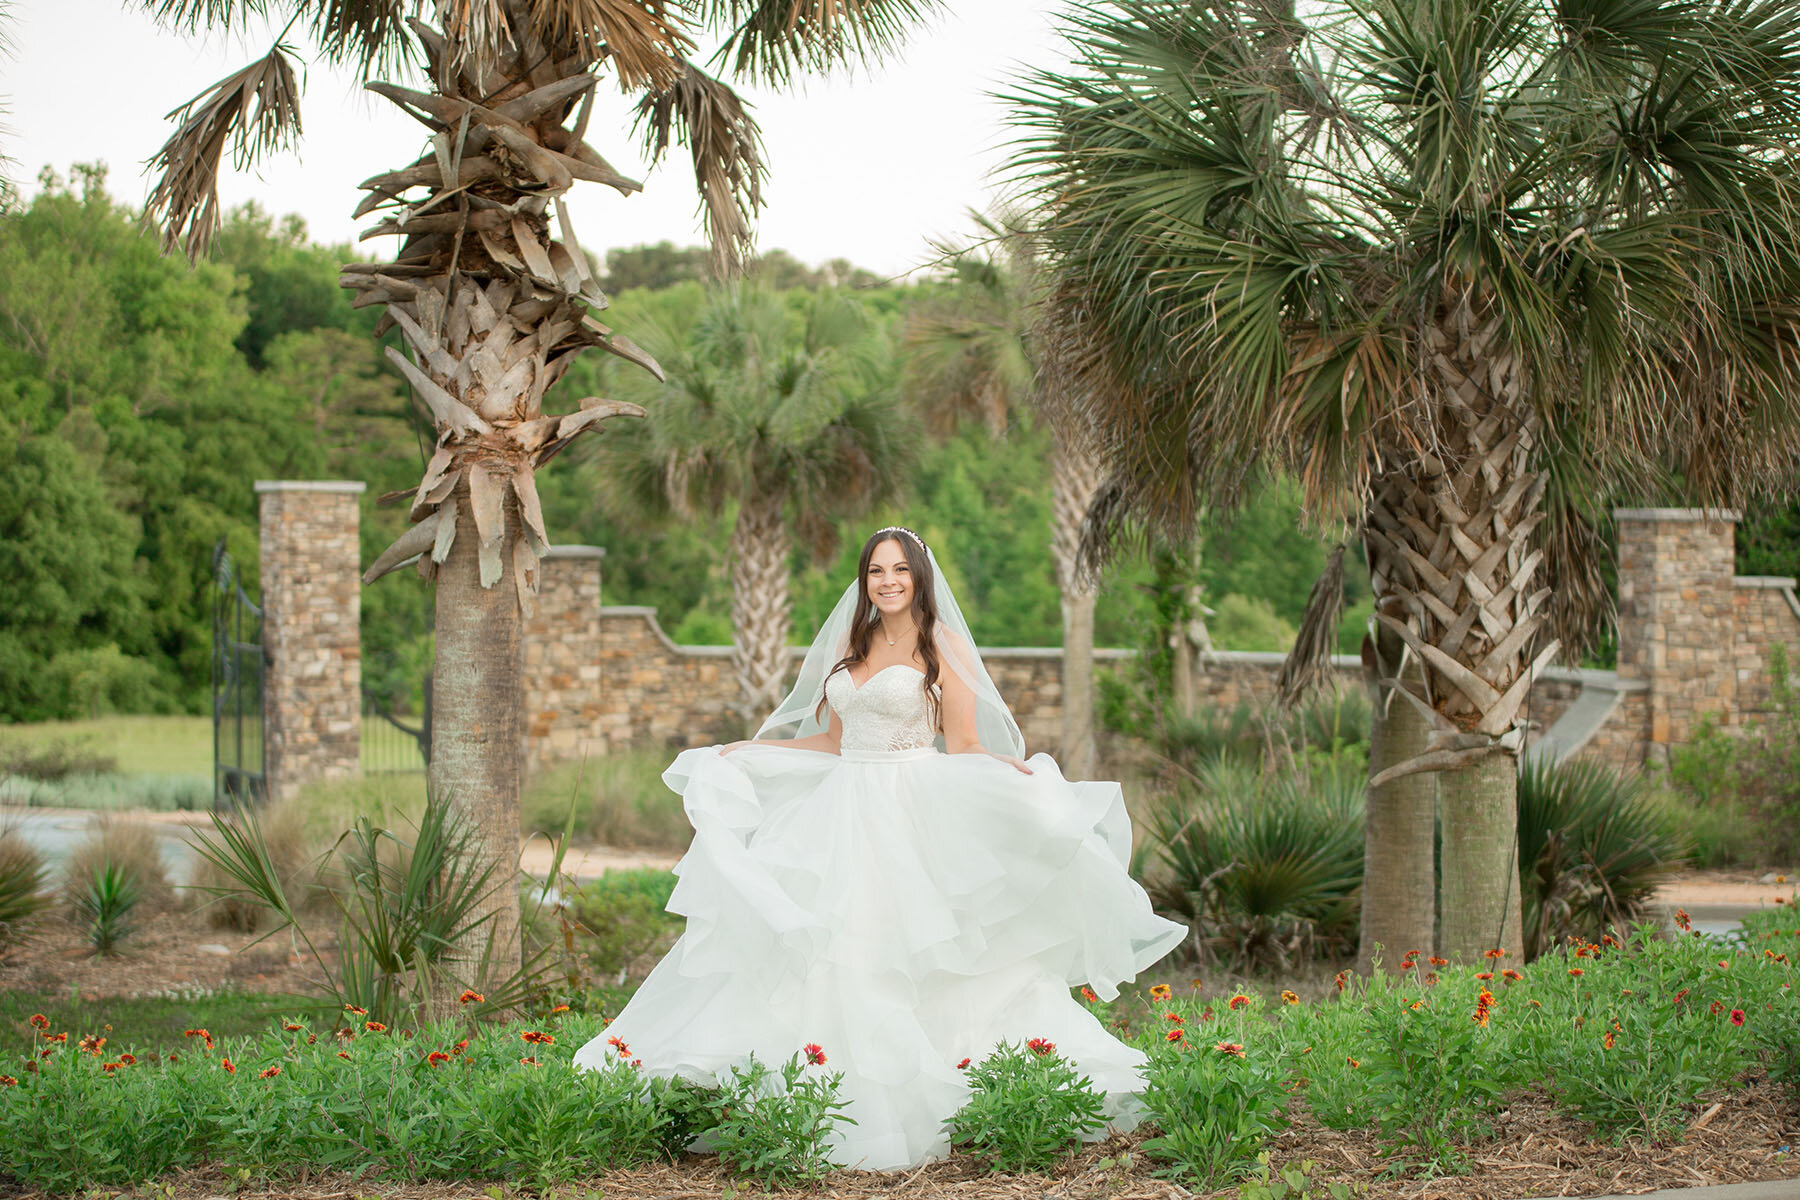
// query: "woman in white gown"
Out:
[905,907]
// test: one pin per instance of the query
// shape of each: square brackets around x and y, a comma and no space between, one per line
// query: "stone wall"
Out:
[1677,614]
[1766,614]
[312,606]
[561,673]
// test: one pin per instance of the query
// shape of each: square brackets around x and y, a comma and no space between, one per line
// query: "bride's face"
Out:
[890,580]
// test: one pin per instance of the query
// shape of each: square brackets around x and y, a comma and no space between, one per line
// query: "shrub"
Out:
[1266,866]
[295,863]
[1754,777]
[619,799]
[133,847]
[1593,846]
[410,906]
[774,1127]
[1027,1107]
[1216,1102]
[53,760]
[622,918]
[108,906]
[22,878]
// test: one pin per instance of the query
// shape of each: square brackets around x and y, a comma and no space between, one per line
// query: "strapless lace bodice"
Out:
[887,712]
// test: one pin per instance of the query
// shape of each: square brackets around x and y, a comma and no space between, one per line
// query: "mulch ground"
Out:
[172,953]
[1739,1136]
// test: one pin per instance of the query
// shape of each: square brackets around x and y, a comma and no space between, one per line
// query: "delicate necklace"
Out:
[903,633]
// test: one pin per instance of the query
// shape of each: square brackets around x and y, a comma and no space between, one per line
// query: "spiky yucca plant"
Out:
[1455,264]
[490,289]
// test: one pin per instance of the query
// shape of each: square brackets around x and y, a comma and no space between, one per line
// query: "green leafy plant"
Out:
[622,918]
[108,907]
[774,1126]
[409,905]
[1027,1107]
[22,878]
[132,846]
[1593,846]
[1429,1066]
[1215,1104]
[1294,1181]
[1266,866]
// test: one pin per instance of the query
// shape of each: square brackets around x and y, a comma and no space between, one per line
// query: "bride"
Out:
[893,883]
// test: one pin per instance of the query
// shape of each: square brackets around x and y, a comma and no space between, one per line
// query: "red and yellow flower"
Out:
[815,1054]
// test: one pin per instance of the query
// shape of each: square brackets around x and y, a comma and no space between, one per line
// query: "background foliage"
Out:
[141,399]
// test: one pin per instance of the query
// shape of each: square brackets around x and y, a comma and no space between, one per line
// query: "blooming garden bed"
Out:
[1660,1061]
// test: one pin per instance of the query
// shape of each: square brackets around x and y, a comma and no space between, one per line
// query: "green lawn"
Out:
[159,745]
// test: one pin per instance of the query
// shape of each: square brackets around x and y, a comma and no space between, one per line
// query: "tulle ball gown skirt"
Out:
[903,909]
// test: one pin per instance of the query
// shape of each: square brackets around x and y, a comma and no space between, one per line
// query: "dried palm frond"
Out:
[477,29]
[726,145]
[256,109]
[770,39]
[643,42]
[1310,659]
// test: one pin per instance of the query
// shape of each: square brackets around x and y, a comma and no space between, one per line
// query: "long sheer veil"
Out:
[800,713]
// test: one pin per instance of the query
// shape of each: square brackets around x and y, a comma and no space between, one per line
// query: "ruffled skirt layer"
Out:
[903,910]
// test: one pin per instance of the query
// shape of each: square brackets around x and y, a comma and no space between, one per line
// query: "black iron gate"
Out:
[237,687]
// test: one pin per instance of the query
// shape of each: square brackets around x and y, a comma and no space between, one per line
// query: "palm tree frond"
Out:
[255,110]
[726,146]
[644,44]
[772,39]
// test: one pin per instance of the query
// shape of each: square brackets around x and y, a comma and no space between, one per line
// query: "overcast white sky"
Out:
[865,166]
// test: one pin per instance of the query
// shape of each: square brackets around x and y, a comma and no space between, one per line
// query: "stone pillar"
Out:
[1676,619]
[562,659]
[312,612]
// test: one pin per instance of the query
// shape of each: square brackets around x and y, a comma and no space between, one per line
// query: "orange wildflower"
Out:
[1438,960]
[40,1021]
[539,1038]
[1176,1018]
[292,1027]
[1577,971]
[528,1062]
[91,1044]
[1497,952]
[1737,1016]
[1342,979]
[1289,998]
[436,1058]
[1353,1063]
[470,996]
[355,1011]
[1239,1001]
[1235,1049]
[8,1081]
[815,1054]
[963,1065]
[618,1044]
[1511,976]
[1087,993]
[1040,1046]
[225,1065]
[374,1027]
[271,1073]
[1607,1041]
[1175,1035]
[1160,991]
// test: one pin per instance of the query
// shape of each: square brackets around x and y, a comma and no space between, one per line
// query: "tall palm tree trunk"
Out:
[1450,555]
[1399,895]
[1075,472]
[759,606]
[476,699]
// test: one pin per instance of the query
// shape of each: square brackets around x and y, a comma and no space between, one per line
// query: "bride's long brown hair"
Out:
[864,618]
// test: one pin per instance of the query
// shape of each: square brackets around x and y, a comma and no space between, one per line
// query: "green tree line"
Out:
[141,399]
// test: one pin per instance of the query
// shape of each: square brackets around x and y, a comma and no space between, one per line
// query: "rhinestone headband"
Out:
[919,541]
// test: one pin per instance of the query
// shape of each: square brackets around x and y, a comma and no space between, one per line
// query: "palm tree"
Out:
[972,351]
[784,416]
[1441,259]
[492,306]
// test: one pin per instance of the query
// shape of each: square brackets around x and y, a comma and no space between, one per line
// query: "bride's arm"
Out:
[960,736]
[828,741]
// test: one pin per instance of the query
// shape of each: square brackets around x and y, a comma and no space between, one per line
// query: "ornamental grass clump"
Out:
[1027,1107]
[22,877]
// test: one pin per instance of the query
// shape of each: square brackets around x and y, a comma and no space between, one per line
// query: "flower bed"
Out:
[1417,1074]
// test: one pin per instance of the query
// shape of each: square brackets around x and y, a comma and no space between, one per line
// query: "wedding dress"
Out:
[902,908]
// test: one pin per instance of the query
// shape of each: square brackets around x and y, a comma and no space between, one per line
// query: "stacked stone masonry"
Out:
[1695,644]
[312,606]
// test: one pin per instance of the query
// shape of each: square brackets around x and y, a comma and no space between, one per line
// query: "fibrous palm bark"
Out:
[1075,478]
[493,310]
[759,606]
